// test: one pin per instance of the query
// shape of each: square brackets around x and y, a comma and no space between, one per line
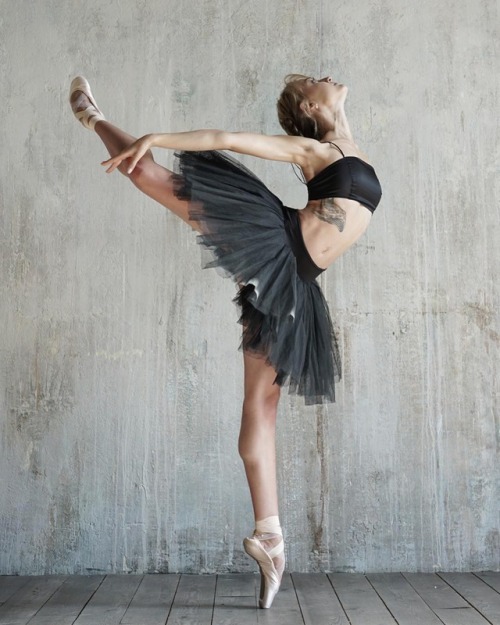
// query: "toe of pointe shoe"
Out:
[270,579]
[269,591]
[79,83]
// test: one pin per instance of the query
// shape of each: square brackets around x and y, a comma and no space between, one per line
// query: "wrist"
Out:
[153,139]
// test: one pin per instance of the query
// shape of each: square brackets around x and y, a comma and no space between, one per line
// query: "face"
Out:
[324,92]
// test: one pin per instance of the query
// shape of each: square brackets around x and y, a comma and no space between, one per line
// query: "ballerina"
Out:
[274,254]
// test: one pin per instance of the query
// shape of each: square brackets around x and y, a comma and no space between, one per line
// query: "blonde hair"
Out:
[292,118]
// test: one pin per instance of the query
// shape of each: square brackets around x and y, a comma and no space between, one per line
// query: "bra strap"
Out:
[335,145]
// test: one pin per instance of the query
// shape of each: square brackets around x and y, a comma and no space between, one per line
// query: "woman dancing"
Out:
[274,253]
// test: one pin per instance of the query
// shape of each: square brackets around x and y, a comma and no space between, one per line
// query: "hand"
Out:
[135,151]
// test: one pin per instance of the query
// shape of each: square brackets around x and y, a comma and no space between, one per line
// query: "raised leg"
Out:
[149,177]
[257,447]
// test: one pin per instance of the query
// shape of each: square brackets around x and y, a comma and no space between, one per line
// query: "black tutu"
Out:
[252,237]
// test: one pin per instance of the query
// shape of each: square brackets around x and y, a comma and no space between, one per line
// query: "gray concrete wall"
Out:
[121,383]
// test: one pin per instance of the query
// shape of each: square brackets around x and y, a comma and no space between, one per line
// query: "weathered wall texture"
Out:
[121,383]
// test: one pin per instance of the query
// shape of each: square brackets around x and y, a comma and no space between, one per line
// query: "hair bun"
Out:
[292,118]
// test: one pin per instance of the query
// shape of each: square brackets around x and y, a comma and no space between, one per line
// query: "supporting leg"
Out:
[257,447]
[257,440]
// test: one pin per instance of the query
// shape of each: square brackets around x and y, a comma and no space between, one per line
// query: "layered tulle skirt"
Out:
[249,235]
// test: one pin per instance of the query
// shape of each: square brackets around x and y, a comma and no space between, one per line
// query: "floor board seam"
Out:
[464,598]
[484,581]
[381,599]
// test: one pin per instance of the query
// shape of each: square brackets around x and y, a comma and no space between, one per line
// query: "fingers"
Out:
[139,153]
[133,164]
[114,166]
[114,162]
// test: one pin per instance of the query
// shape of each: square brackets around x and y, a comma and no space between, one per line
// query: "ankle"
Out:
[269,525]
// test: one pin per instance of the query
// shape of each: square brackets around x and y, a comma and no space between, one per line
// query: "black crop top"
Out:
[348,177]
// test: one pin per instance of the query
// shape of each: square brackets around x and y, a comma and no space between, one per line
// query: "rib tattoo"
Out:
[330,212]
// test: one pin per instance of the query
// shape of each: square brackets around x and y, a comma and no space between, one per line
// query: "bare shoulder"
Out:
[317,156]
[349,148]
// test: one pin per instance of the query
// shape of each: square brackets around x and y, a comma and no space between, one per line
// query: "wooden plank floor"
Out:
[304,599]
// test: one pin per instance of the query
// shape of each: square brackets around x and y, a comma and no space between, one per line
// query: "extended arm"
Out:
[272,147]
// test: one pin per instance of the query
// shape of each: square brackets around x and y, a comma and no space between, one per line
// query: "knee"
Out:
[144,171]
[259,425]
[263,405]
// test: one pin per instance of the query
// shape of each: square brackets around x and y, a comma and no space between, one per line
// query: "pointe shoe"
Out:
[92,114]
[270,579]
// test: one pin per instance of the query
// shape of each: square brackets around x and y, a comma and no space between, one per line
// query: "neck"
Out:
[337,126]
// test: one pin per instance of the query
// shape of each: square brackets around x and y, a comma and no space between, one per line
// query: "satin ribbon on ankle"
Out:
[269,525]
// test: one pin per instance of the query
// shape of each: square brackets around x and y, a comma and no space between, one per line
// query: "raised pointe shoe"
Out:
[270,579]
[91,114]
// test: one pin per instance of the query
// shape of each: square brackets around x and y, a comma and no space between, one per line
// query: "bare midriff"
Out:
[327,238]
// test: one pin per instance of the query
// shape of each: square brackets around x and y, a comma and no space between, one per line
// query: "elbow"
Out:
[223,140]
